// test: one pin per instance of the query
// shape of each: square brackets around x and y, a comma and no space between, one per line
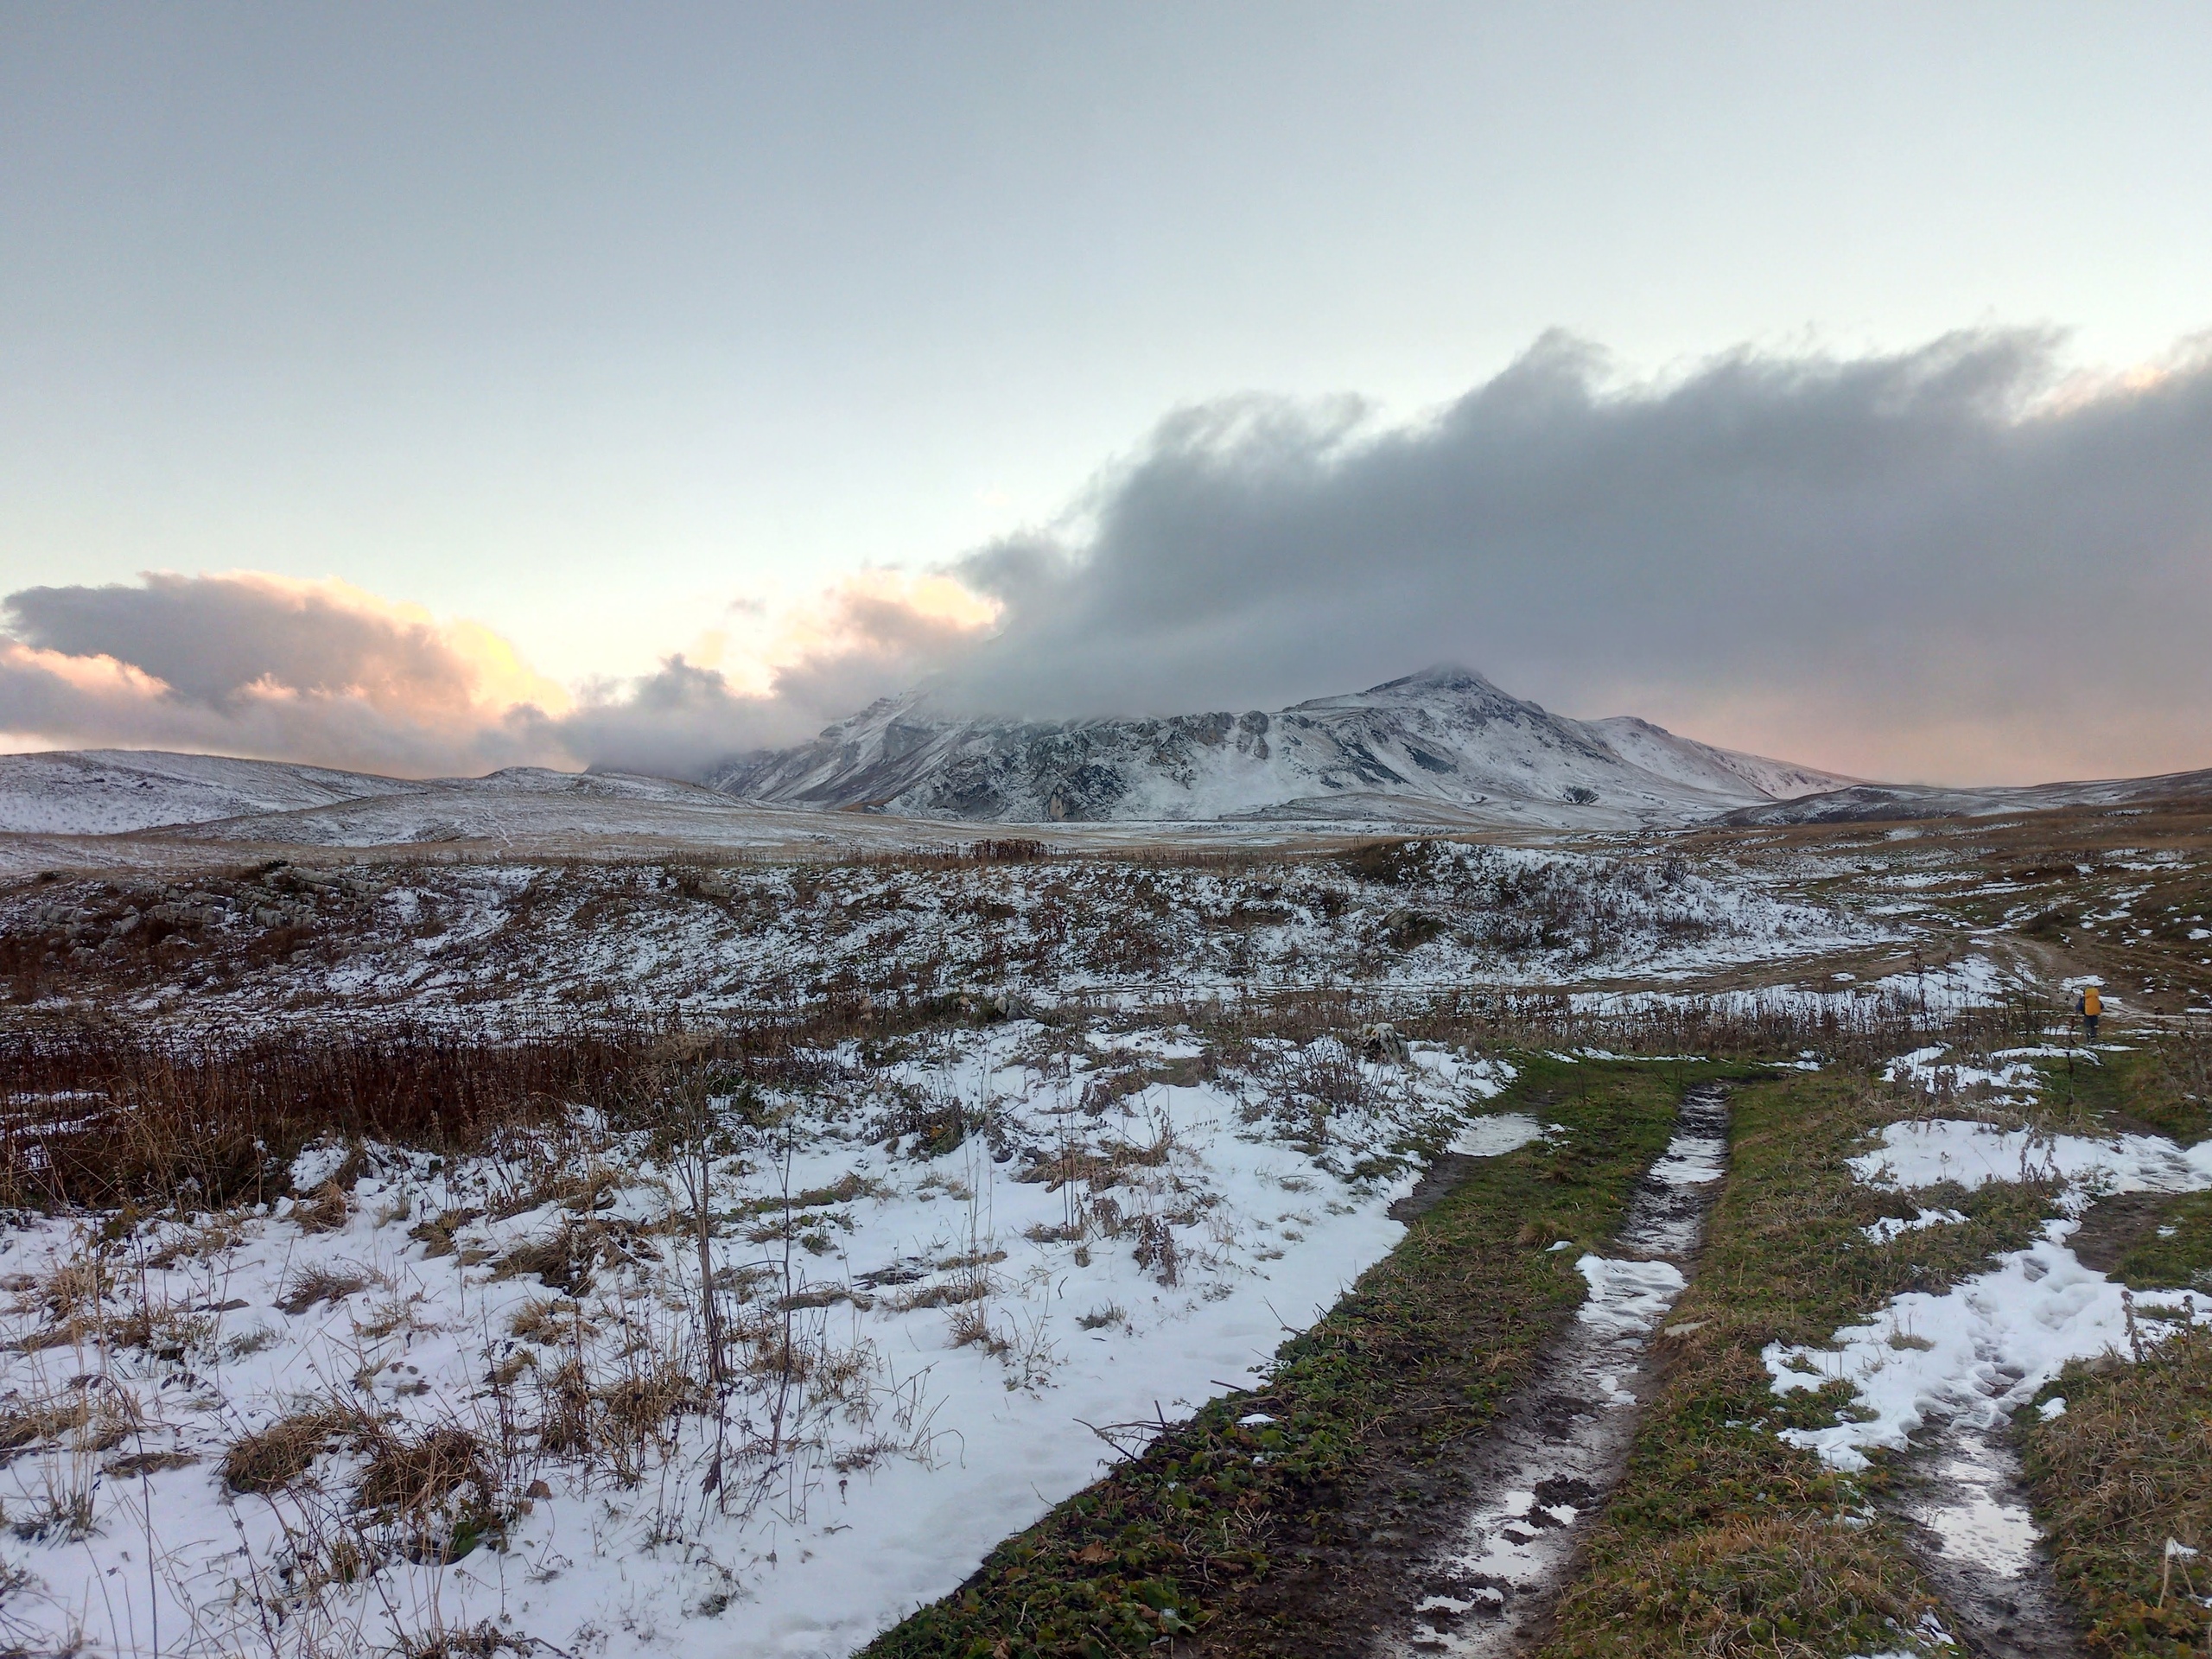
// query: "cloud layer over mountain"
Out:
[1950,562]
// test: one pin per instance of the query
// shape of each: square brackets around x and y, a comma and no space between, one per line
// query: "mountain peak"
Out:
[1437,677]
[1442,744]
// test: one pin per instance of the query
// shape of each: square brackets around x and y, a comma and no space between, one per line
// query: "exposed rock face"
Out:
[1444,745]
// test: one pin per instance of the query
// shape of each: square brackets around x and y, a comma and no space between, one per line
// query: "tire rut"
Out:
[1489,1581]
[1965,1514]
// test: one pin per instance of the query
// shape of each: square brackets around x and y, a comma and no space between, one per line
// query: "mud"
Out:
[1488,1586]
[1965,1511]
[1436,1183]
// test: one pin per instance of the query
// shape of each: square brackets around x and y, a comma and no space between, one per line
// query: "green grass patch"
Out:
[1723,1539]
[2127,1466]
[1231,1531]
[2162,1082]
[2174,1249]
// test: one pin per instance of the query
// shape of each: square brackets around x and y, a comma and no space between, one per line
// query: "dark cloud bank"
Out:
[1942,556]
[1944,562]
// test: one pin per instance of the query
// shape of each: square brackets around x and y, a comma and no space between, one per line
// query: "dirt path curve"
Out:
[1552,1460]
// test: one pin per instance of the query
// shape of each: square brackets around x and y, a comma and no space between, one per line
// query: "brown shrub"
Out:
[325,1212]
[417,1475]
[280,1455]
[322,1285]
[562,1261]
[546,1319]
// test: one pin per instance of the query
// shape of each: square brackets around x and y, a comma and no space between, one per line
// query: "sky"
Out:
[430,389]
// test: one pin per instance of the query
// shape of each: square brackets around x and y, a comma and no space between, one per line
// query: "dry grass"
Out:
[622,1417]
[547,1319]
[88,1419]
[277,1458]
[322,1284]
[639,1405]
[950,1293]
[420,1474]
[138,1463]
[568,1260]
[325,1211]
[101,1115]
[436,1234]
[971,1328]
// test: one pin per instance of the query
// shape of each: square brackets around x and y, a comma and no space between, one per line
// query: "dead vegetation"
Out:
[739,1391]
[322,1284]
[86,1420]
[99,1116]
[277,1458]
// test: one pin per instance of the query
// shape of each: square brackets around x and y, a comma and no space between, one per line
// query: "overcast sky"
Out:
[635,384]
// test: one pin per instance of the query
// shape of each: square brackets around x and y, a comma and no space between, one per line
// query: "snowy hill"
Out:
[1444,747]
[1900,803]
[1444,744]
[110,791]
[214,797]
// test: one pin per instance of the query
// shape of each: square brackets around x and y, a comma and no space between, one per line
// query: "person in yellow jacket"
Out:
[2089,1004]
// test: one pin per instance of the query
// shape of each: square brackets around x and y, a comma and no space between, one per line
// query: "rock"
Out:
[982,1004]
[1381,1042]
[1408,927]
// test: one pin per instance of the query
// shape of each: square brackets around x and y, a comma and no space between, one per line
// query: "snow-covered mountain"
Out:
[1443,745]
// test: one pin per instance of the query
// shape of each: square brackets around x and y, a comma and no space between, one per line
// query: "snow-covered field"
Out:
[1950,1367]
[1109,1131]
[979,1249]
[524,942]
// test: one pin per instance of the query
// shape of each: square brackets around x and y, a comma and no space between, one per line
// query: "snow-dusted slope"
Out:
[1880,803]
[1700,765]
[519,804]
[1445,742]
[107,791]
[210,798]
[1442,747]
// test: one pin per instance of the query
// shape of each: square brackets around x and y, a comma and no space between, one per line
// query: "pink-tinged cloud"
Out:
[325,673]
[254,665]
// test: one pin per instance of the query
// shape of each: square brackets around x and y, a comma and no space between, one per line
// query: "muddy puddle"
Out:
[1961,1497]
[1549,1464]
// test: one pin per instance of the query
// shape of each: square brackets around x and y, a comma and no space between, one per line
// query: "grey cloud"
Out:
[1942,554]
[674,722]
[210,637]
[341,731]
[252,664]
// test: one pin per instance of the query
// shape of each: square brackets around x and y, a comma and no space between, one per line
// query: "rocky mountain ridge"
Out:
[1444,745]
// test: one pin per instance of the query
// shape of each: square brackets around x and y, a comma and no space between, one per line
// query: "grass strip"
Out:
[2160,1081]
[1721,1538]
[2125,1467]
[1244,1534]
